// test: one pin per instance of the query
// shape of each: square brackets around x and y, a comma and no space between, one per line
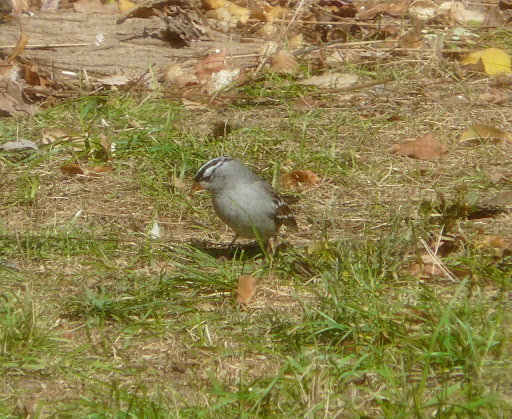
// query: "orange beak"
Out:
[196,187]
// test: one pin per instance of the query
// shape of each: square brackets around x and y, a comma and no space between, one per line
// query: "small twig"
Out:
[47,46]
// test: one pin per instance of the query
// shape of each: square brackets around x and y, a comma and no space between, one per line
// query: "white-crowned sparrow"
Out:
[242,200]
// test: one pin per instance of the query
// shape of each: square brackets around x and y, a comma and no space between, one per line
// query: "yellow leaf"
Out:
[125,5]
[495,60]
[479,133]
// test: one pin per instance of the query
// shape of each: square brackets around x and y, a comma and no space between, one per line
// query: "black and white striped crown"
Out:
[206,171]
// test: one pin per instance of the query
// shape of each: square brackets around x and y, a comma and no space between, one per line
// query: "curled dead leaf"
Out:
[480,133]
[283,63]
[246,288]
[102,169]
[19,48]
[306,178]
[426,147]
[50,135]
[72,169]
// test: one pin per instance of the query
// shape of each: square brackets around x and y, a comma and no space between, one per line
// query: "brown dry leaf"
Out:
[463,14]
[8,72]
[283,63]
[296,41]
[19,48]
[246,288]
[92,6]
[180,76]
[392,9]
[426,147]
[214,4]
[32,77]
[266,12]
[496,242]
[50,135]
[20,6]
[480,133]
[14,101]
[412,39]
[495,96]
[178,183]
[72,169]
[427,268]
[213,63]
[241,14]
[306,178]
[424,10]
[105,143]
[343,56]
[102,169]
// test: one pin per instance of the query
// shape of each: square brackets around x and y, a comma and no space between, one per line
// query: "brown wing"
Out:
[283,214]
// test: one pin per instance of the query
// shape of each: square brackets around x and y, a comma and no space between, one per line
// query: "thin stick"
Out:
[45,46]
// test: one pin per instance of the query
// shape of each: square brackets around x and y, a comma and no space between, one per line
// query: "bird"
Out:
[245,202]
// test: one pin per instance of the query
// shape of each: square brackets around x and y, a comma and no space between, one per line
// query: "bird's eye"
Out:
[207,178]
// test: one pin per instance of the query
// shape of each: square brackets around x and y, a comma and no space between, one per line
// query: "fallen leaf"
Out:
[427,268]
[50,135]
[19,48]
[19,145]
[241,14]
[214,4]
[72,169]
[424,10]
[14,101]
[125,5]
[494,60]
[179,76]
[318,246]
[221,79]
[246,288]
[331,81]
[302,177]
[423,148]
[283,63]
[496,242]
[495,96]
[340,56]
[105,143]
[213,63]
[20,6]
[463,15]
[479,133]
[392,9]
[102,169]
[8,72]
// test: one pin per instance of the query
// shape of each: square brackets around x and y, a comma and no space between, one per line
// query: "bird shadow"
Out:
[225,251]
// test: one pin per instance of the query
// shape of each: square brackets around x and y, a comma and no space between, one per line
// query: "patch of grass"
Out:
[126,325]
